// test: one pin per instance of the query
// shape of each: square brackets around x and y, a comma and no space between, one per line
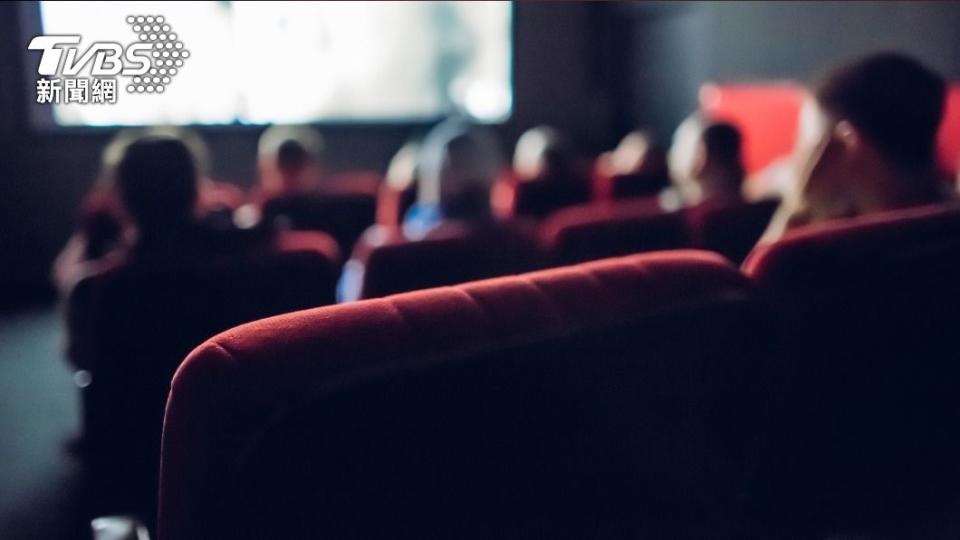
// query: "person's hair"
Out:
[291,155]
[458,165]
[291,145]
[895,101]
[157,181]
[722,141]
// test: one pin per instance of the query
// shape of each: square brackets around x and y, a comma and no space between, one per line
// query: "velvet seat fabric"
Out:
[729,228]
[870,308]
[561,403]
[451,254]
[538,197]
[610,229]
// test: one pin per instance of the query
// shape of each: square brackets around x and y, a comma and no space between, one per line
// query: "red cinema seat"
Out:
[450,255]
[871,308]
[130,325]
[731,229]
[342,215]
[600,230]
[538,197]
[566,403]
[629,186]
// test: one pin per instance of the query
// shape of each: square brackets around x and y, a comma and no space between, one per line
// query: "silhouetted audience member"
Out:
[706,165]
[545,176]
[290,160]
[99,224]
[637,167]
[158,186]
[216,200]
[457,165]
[866,143]
[101,221]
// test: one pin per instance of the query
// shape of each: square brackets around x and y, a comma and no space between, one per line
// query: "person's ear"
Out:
[849,138]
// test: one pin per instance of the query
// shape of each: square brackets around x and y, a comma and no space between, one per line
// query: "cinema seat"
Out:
[599,230]
[538,197]
[342,215]
[731,229]
[565,403]
[130,325]
[871,307]
[628,186]
[453,254]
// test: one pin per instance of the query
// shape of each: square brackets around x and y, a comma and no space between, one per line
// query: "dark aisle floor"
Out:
[41,492]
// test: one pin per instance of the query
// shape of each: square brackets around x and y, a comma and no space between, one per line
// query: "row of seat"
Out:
[575,234]
[130,325]
[658,395]
[362,198]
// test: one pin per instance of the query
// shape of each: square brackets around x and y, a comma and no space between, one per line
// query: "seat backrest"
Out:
[447,257]
[562,403]
[731,229]
[342,215]
[630,186]
[599,230]
[538,197]
[130,326]
[871,305]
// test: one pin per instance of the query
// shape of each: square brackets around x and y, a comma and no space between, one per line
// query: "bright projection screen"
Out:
[280,62]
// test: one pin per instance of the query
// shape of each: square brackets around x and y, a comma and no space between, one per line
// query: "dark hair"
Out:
[893,99]
[291,155]
[722,141]
[157,181]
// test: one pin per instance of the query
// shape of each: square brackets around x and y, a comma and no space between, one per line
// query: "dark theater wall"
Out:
[675,46]
[44,175]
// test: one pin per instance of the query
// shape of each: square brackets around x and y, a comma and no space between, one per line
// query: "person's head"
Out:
[289,158]
[542,151]
[637,153]
[705,159]
[867,134]
[458,165]
[157,183]
[192,139]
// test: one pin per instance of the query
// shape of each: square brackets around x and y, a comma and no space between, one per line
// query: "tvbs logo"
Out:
[148,64]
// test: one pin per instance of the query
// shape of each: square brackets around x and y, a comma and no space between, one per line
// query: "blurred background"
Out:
[596,71]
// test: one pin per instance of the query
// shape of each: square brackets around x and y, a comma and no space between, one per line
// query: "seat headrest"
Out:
[854,244]
[238,381]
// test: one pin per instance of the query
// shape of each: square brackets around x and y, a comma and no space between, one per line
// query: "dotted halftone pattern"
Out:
[167,53]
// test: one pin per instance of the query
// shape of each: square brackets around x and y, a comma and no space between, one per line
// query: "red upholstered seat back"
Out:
[599,230]
[628,186]
[564,403]
[446,257]
[342,215]
[871,307]
[538,197]
[131,325]
[731,229]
